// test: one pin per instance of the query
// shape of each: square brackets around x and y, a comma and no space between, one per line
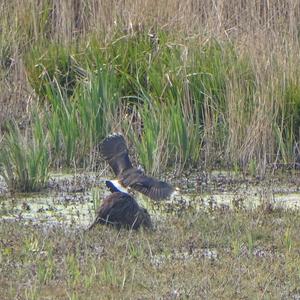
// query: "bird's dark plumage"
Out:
[149,186]
[111,186]
[114,150]
[121,210]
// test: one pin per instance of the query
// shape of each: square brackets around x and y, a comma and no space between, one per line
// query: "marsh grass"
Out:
[210,84]
[214,85]
[24,162]
[255,254]
[51,62]
[96,198]
[77,124]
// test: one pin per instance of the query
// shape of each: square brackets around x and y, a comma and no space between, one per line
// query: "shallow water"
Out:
[49,209]
[72,199]
[68,200]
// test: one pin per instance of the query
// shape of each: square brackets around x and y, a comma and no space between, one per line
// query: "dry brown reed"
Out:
[266,32]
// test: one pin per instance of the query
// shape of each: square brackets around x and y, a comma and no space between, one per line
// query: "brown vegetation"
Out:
[265,33]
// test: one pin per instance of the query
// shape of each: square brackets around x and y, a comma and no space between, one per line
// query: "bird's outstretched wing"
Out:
[149,186]
[114,150]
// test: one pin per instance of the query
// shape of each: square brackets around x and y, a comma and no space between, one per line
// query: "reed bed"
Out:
[194,84]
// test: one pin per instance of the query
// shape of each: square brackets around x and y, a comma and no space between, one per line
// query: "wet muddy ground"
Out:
[72,199]
[223,238]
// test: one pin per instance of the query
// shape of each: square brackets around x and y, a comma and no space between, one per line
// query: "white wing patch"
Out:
[119,187]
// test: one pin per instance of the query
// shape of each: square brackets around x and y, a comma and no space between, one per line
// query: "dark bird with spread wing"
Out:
[114,150]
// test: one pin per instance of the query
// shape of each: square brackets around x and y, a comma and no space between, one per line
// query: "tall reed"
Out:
[24,161]
[78,122]
[214,83]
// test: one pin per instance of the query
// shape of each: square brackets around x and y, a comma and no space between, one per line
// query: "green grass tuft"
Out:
[25,160]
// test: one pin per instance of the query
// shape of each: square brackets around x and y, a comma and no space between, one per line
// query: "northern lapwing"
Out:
[114,150]
[121,210]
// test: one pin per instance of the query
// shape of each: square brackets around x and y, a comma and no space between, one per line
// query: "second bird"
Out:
[114,150]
